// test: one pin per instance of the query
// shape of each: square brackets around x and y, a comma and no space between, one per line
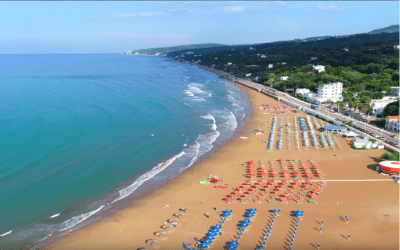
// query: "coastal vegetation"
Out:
[394,156]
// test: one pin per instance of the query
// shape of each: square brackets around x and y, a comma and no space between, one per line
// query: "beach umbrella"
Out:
[276,210]
[233,243]
[179,215]
[218,227]
[151,242]
[212,234]
[214,180]
[159,234]
[166,226]
[231,248]
[247,221]
[184,209]
[173,220]
[250,215]
[214,230]
[244,225]
[207,242]
[210,238]
[203,246]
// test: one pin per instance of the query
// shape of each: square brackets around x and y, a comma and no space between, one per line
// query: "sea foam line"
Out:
[210,117]
[6,233]
[54,216]
[78,219]
[147,176]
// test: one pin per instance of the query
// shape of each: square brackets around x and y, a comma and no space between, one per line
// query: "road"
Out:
[325,112]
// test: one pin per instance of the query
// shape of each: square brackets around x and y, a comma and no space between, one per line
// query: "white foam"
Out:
[198,99]
[209,94]
[54,216]
[230,97]
[78,219]
[210,117]
[147,176]
[188,93]
[235,104]
[194,89]
[6,233]
[231,122]
[185,145]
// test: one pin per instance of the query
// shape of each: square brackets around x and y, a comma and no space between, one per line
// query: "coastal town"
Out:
[162,125]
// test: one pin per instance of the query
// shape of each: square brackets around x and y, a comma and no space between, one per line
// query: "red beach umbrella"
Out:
[214,180]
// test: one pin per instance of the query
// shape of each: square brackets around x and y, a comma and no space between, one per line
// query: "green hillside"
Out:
[389,29]
[153,51]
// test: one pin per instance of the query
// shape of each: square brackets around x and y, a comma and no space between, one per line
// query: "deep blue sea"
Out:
[82,134]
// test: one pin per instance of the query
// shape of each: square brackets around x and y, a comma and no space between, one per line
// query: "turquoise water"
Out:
[81,133]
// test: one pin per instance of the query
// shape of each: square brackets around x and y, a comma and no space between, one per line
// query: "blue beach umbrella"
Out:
[250,215]
[214,230]
[207,242]
[218,227]
[247,221]
[244,225]
[268,234]
[276,210]
[203,246]
[231,248]
[210,238]
[233,243]
[253,209]
[212,234]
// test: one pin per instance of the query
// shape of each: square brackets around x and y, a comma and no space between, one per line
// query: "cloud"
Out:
[234,9]
[141,14]
[331,7]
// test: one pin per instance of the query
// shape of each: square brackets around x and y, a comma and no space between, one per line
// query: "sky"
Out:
[115,27]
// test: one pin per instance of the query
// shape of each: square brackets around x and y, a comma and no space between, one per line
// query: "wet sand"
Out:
[366,203]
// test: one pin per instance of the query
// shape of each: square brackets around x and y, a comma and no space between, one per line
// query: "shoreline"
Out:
[135,200]
[142,199]
[138,222]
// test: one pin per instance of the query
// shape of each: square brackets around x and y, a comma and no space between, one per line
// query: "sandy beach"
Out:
[353,188]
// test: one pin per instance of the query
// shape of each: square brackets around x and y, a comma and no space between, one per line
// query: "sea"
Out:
[84,135]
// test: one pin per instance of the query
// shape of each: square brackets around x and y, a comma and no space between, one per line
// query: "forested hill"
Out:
[389,29]
[361,49]
[153,51]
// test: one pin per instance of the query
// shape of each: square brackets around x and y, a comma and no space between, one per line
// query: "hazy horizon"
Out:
[116,27]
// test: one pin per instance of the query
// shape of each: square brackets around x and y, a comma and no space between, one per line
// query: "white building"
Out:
[379,104]
[330,92]
[284,63]
[392,123]
[320,68]
[310,96]
[248,75]
[270,66]
[284,78]
[263,56]
[396,91]
[301,91]
[229,63]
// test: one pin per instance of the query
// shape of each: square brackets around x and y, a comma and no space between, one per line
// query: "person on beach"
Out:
[207,215]
[346,218]
[349,237]
[116,220]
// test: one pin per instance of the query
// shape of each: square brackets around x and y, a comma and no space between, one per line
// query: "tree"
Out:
[392,109]
[366,99]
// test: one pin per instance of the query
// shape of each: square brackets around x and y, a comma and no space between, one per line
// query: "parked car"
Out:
[393,136]
[381,137]
[387,141]
[372,134]
[392,143]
